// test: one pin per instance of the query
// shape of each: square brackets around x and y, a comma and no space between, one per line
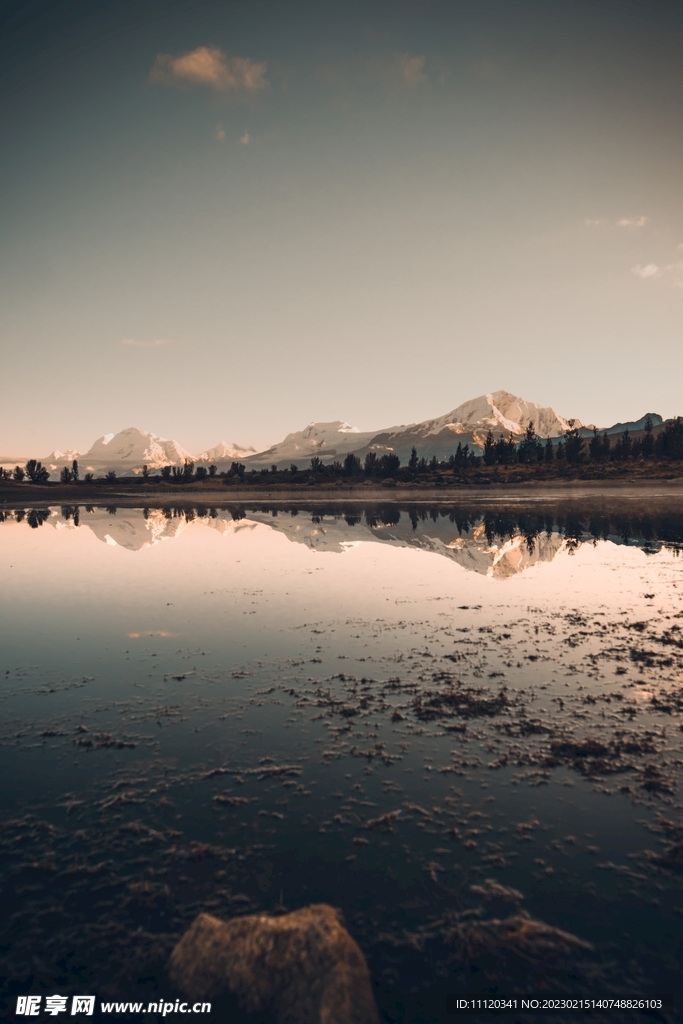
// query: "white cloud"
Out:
[211,67]
[671,272]
[219,133]
[136,343]
[245,138]
[594,222]
[649,270]
[632,222]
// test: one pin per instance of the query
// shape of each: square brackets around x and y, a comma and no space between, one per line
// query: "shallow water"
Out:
[379,708]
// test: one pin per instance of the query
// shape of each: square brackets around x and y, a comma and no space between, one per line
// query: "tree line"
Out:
[572,448]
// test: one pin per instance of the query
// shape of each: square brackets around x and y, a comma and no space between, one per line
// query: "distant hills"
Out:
[502,412]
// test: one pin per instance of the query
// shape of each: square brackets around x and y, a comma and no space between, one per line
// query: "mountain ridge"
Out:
[500,411]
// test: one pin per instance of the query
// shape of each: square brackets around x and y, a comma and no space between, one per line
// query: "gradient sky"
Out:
[225,220]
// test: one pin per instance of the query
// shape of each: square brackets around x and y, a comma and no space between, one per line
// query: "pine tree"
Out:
[595,446]
[36,472]
[647,445]
[490,456]
[573,445]
[530,446]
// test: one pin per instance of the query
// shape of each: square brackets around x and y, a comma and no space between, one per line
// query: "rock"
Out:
[302,967]
[523,936]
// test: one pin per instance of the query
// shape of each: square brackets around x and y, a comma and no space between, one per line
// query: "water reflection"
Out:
[234,724]
[498,542]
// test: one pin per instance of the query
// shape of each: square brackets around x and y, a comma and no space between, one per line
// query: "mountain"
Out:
[501,412]
[329,441]
[225,452]
[633,425]
[126,452]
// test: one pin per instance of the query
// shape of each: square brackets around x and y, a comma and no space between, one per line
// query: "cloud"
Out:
[623,222]
[211,67]
[136,343]
[219,133]
[672,272]
[631,222]
[649,270]
[245,138]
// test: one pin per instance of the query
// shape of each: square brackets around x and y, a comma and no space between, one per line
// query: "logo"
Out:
[29,1006]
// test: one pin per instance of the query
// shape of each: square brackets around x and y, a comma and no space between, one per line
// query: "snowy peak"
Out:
[133,448]
[327,440]
[504,411]
[225,452]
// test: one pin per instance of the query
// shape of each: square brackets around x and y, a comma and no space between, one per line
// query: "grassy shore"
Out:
[638,478]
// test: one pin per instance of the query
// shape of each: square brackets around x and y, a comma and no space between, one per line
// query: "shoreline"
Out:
[496,492]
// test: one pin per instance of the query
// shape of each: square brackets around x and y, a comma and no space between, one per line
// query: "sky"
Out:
[225,220]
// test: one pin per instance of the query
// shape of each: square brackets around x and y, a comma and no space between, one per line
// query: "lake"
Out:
[446,720]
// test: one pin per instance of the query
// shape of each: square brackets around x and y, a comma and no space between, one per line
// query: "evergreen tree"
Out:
[412,461]
[65,475]
[389,464]
[490,452]
[647,445]
[145,472]
[595,446]
[213,470]
[166,472]
[201,473]
[549,451]
[573,445]
[433,463]
[371,463]
[530,449]
[606,447]
[74,471]
[110,477]
[36,472]
[623,447]
[18,474]
[352,466]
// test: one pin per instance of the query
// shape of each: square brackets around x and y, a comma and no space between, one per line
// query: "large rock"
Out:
[302,967]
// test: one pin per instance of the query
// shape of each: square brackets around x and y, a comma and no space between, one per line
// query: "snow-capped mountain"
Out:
[126,452]
[329,441]
[501,412]
[225,452]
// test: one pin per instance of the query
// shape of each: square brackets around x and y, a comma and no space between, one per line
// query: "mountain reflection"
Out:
[499,542]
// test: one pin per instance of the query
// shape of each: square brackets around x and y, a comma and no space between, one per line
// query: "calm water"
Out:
[430,718]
